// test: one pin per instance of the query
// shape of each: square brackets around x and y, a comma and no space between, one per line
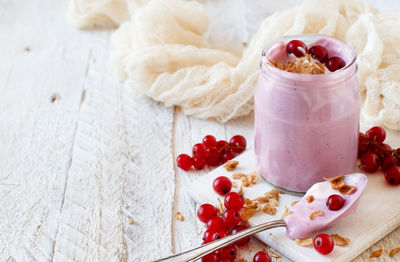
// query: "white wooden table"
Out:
[80,156]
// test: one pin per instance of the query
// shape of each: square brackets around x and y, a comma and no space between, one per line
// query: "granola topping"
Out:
[179,216]
[303,65]
[231,165]
[339,240]
[304,242]
[376,253]
[394,251]
[316,214]
[310,198]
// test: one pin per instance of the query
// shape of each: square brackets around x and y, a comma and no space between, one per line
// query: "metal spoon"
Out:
[199,252]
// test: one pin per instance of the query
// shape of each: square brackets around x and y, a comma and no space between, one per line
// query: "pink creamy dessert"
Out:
[306,126]
[299,224]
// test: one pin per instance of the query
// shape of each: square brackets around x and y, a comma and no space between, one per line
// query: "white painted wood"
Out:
[80,156]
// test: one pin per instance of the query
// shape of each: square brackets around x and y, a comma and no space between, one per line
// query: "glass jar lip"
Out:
[310,77]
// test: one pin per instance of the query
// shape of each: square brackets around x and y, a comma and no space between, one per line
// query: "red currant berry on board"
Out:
[222,146]
[207,236]
[199,163]
[242,241]
[362,144]
[318,52]
[388,162]
[225,260]
[384,150]
[369,162]
[184,161]
[238,144]
[297,48]
[335,202]
[335,63]
[323,243]
[218,235]
[231,218]
[216,224]
[213,257]
[228,155]
[213,157]
[228,252]
[233,201]
[376,134]
[199,151]
[222,185]
[209,141]
[206,212]
[392,175]
[261,257]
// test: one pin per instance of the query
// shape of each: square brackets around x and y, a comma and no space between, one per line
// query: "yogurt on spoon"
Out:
[311,213]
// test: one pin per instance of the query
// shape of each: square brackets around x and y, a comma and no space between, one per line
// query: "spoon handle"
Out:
[199,252]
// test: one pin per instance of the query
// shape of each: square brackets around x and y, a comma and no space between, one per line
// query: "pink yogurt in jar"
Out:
[306,126]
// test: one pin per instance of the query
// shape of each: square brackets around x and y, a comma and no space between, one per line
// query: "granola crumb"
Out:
[240,192]
[347,190]
[238,175]
[273,254]
[240,259]
[261,199]
[268,209]
[130,221]
[394,251]
[244,181]
[310,198]
[273,194]
[376,253]
[246,213]
[179,216]
[316,214]
[339,240]
[294,203]
[231,165]
[286,213]
[304,242]
[302,65]
[234,184]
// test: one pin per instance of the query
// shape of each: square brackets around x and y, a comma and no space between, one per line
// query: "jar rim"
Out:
[331,77]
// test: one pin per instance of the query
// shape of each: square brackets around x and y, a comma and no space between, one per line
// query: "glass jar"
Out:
[306,126]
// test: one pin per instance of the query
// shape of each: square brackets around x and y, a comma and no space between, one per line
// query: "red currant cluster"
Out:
[374,154]
[212,152]
[225,222]
[299,49]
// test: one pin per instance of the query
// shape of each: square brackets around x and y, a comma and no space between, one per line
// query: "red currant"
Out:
[362,144]
[222,146]
[199,163]
[388,162]
[297,48]
[323,243]
[261,257]
[218,235]
[335,202]
[225,260]
[222,185]
[207,236]
[213,157]
[238,144]
[216,224]
[376,134]
[318,52]
[206,212]
[233,201]
[242,241]
[384,150]
[213,257]
[228,155]
[199,151]
[369,162]
[184,161]
[228,252]
[231,218]
[335,63]
[392,175]
[209,141]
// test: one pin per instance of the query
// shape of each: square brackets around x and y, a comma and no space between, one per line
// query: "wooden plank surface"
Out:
[82,158]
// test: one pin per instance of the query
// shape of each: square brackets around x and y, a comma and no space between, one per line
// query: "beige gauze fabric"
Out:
[160,52]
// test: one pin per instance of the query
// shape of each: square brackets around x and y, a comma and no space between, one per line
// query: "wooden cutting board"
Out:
[377,215]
